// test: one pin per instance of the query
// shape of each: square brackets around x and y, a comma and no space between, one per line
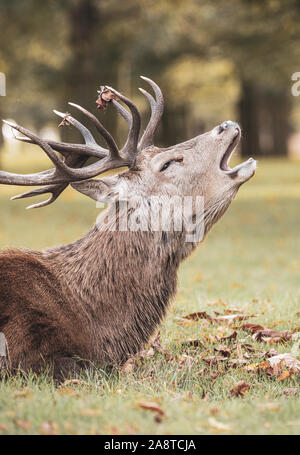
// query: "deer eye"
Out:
[167,164]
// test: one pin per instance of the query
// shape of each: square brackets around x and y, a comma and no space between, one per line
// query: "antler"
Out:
[73,166]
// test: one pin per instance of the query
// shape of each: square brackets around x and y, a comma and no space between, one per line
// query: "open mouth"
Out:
[224,165]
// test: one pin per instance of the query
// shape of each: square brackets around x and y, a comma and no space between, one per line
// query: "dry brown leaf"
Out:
[49,428]
[237,362]
[74,382]
[65,121]
[214,411]
[277,337]
[232,336]
[153,407]
[284,375]
[240,389]
[191,342]
[198,315]
[252,328]
[227,318]
[288,360]
[214,359]
[223,350]
[291,391]
[23,393]
[231,318]
[90,412]
[3,427]
[25,424]
[252,367]
[105,95]
[67,391]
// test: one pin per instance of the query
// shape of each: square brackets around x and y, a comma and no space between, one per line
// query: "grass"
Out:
[249,262]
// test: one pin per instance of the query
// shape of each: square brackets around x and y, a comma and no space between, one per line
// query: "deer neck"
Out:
[121,282]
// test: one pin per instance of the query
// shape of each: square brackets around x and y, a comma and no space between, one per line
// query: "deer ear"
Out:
[101,190]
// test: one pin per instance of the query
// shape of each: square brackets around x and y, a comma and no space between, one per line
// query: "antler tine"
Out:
[65,148]
[87,135]
[91,148]
[114,152]
[157,109]
[130,148]
[55,190]
[122,111]
[60,165]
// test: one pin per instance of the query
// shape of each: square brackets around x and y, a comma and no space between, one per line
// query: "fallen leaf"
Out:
[23,393]
[67,391]
[237,362]
[198,315]
[25,424]
[223,350]
[191,342]
[105,95]
[252,367]
[289,360]
[230,318]
[153,407]
[291,391]
[214,359]
[232,336]
[277,337]
[252,328]
[74,382]
[49,428]
[284,375]
[240,389]
[90,412]
[65,121]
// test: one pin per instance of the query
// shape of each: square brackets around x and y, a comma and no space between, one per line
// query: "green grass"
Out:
[250,262]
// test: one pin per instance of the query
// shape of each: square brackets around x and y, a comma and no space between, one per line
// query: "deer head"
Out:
[197,167]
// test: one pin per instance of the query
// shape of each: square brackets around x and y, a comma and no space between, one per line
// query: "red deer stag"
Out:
[101,298]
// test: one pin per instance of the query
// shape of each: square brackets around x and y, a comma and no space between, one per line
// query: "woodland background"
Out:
[214,61]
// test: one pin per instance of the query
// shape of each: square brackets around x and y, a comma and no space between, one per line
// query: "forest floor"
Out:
[248,270]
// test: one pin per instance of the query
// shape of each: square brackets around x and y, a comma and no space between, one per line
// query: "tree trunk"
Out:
[249,110]
[264,118]
[280,107]
[86,68]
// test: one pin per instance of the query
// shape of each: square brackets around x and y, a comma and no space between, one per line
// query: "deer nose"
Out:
[225,125]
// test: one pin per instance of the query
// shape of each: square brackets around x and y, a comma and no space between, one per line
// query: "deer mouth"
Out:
[224,164]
